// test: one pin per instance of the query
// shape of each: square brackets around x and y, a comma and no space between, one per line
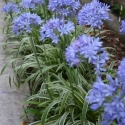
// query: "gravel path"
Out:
[11,99]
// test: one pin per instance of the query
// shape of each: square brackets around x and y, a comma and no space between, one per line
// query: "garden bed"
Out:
[71,63]
[112,40]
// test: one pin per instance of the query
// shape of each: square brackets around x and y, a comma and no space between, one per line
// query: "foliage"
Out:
[117,8]
[58,90]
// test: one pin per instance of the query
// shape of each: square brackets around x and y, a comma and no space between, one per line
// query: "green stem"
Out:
[75,29]
[44,13]
[34,51]
[94,32]
[11,15]
[90,73]
[55,14]
[46,3]
[71,81]
[72,92]
[6,1]
[99,33]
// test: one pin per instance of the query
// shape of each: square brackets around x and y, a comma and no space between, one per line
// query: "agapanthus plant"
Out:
[25,22]
[122,29]
[90,48]
[110,97]
[33,4]
[54,28]
[11,8]
[93,14]
[64,7]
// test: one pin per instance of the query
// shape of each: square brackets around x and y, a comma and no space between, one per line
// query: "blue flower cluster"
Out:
[11,7]
[31,3]
[99,93]
[122,30]
[86,47]
[54,28]
[110,97]
[64,7]
[24,23]
[121,71]
[93,14]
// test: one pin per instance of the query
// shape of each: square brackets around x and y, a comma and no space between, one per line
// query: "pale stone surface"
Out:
[11,99]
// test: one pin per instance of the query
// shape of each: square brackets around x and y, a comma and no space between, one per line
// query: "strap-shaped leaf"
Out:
[46,111]
[84,112]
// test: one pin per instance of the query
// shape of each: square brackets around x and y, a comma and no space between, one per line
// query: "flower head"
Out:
[25,22]
[122,30]
[71,57]
[55,28]
[64,7]
[86,47]
[110,97]
[99,93]
[93,14]
[114,110]
[121,72]
[31,3]
[11,7]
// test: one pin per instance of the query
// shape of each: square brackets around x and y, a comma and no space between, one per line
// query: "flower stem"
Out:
[94,32]
[34,51]
[6,1]
[90,73]
[75,23]
[11,15]
[46,3]
[99,33]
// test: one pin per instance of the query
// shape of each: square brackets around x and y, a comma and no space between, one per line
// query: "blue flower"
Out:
[115,109]
[100,61]
[99,94]
[71,57]
[31,3]
[105,122]
[54,28]
[114,82]
[25,22]
[122,29]
[95,99]
[121,72]
[90,48]
[64,7]
[111,98]
[11,7]
[93,14]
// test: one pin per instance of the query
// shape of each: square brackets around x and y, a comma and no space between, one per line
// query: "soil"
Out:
[118,47]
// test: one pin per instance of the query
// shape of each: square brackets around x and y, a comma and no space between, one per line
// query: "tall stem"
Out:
[46,3]
[11,15]
[71,81]
[94,32]
[6,1]
[72,92]
[99,33]
[34,51]
[90,73]
[75,29]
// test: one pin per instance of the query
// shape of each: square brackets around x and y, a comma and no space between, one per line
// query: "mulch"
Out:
[118,47]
